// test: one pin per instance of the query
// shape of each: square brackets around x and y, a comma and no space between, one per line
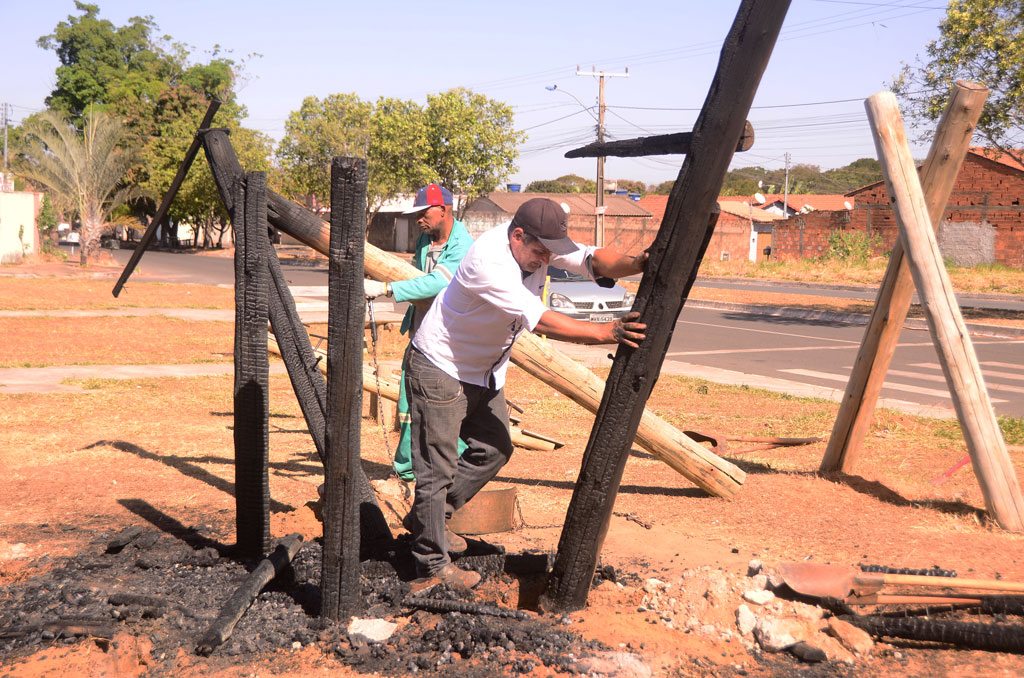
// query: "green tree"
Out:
[151,85]
[84,169]
[398,149]
[339,124]
[473,144]
[664,188]
[46,223]
[980,41]
[567,183]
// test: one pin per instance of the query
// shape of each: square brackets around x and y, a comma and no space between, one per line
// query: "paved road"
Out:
[799,356]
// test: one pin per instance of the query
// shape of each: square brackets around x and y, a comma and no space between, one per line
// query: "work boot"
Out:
[456,544]
[457,577]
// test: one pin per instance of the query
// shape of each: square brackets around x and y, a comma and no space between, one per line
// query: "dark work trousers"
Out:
[444,409]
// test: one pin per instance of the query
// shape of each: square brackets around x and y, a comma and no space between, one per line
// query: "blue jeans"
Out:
[444,409]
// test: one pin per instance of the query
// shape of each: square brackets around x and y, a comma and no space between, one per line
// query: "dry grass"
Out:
[26,294]
[42,341]
[977,279]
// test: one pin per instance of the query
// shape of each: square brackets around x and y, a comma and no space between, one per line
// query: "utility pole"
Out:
[599,197]
[3,111]
[785,195]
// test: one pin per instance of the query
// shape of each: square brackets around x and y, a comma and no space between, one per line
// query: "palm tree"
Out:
[84,169]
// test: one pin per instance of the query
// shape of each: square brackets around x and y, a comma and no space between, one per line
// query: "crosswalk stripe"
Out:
[986,373]
[937,377]
[896,387]
[994,363]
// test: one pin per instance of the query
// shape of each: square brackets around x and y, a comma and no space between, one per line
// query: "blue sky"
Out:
[839,51]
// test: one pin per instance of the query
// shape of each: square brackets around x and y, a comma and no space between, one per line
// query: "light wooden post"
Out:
[985,444]
[938,174]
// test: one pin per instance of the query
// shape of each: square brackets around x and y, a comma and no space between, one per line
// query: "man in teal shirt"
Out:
[439,249]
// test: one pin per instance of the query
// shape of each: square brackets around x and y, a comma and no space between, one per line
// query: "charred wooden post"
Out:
[660,144]
[938,174]
[990,458]
[252,367]
[674,259]
[346,303]
[282,213]
[165,204]
[268,568]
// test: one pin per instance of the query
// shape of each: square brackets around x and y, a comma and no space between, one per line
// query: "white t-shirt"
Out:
[470,328]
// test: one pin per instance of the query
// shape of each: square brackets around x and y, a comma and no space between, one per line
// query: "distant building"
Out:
[18,233]
[628,226]
[983,221]
[743,231]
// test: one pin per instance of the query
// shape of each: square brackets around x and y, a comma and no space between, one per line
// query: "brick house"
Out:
[983,222]
[742,231]
[796,203]
[627,225]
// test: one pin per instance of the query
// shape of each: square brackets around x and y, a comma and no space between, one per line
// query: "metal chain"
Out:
[376,375]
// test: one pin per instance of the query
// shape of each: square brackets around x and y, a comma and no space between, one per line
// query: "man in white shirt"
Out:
[455,371]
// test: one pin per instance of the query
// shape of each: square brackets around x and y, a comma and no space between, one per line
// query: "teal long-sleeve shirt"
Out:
[429,285]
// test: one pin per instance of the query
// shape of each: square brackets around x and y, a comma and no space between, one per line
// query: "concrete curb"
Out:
[975,329]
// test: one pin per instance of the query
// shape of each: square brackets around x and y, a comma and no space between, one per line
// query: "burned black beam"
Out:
[661,144]
[308,228]
[268,568]
[252,366]
[671,270]
[339,582]
[165,204]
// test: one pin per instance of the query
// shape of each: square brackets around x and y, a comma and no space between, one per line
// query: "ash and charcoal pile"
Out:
[152,585]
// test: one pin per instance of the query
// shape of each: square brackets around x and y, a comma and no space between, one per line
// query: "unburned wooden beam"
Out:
[938,174]
[992,464]
[659,144]
[675,256]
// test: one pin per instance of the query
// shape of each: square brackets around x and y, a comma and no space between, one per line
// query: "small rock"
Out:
[753,567]
[759,582]
[776,635]
[614,664]
[856,640]
[370,630]
[653,585]
[745,620]
[761,597]
[832,648]
[808,653]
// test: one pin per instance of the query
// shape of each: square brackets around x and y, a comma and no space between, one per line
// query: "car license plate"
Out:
[601,318]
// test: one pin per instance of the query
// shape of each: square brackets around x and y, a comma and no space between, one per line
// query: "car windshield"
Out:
[562,275]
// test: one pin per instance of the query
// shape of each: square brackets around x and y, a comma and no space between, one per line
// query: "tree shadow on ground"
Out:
[172,526]
[187,467]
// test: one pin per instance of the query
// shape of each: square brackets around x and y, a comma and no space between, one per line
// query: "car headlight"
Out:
[559,301]
[627,299]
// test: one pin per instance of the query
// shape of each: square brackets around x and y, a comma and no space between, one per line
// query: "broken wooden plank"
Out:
[938,174]
[991,461]
[659,144]
[671,270]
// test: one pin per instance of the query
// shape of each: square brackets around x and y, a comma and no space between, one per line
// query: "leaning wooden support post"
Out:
[340,588]
[675,257]
[536,356]
[992,464]
[252,368]
[271,566]
[938,174]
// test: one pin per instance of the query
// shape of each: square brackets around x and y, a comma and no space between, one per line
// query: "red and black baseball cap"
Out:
[429,196]
[548,222]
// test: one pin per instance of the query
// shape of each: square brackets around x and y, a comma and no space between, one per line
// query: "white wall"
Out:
[18,212]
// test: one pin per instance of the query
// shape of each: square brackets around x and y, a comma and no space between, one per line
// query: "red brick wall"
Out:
[630,235]
[985,192]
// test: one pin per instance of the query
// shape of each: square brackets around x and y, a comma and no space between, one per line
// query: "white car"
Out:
[580,297]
